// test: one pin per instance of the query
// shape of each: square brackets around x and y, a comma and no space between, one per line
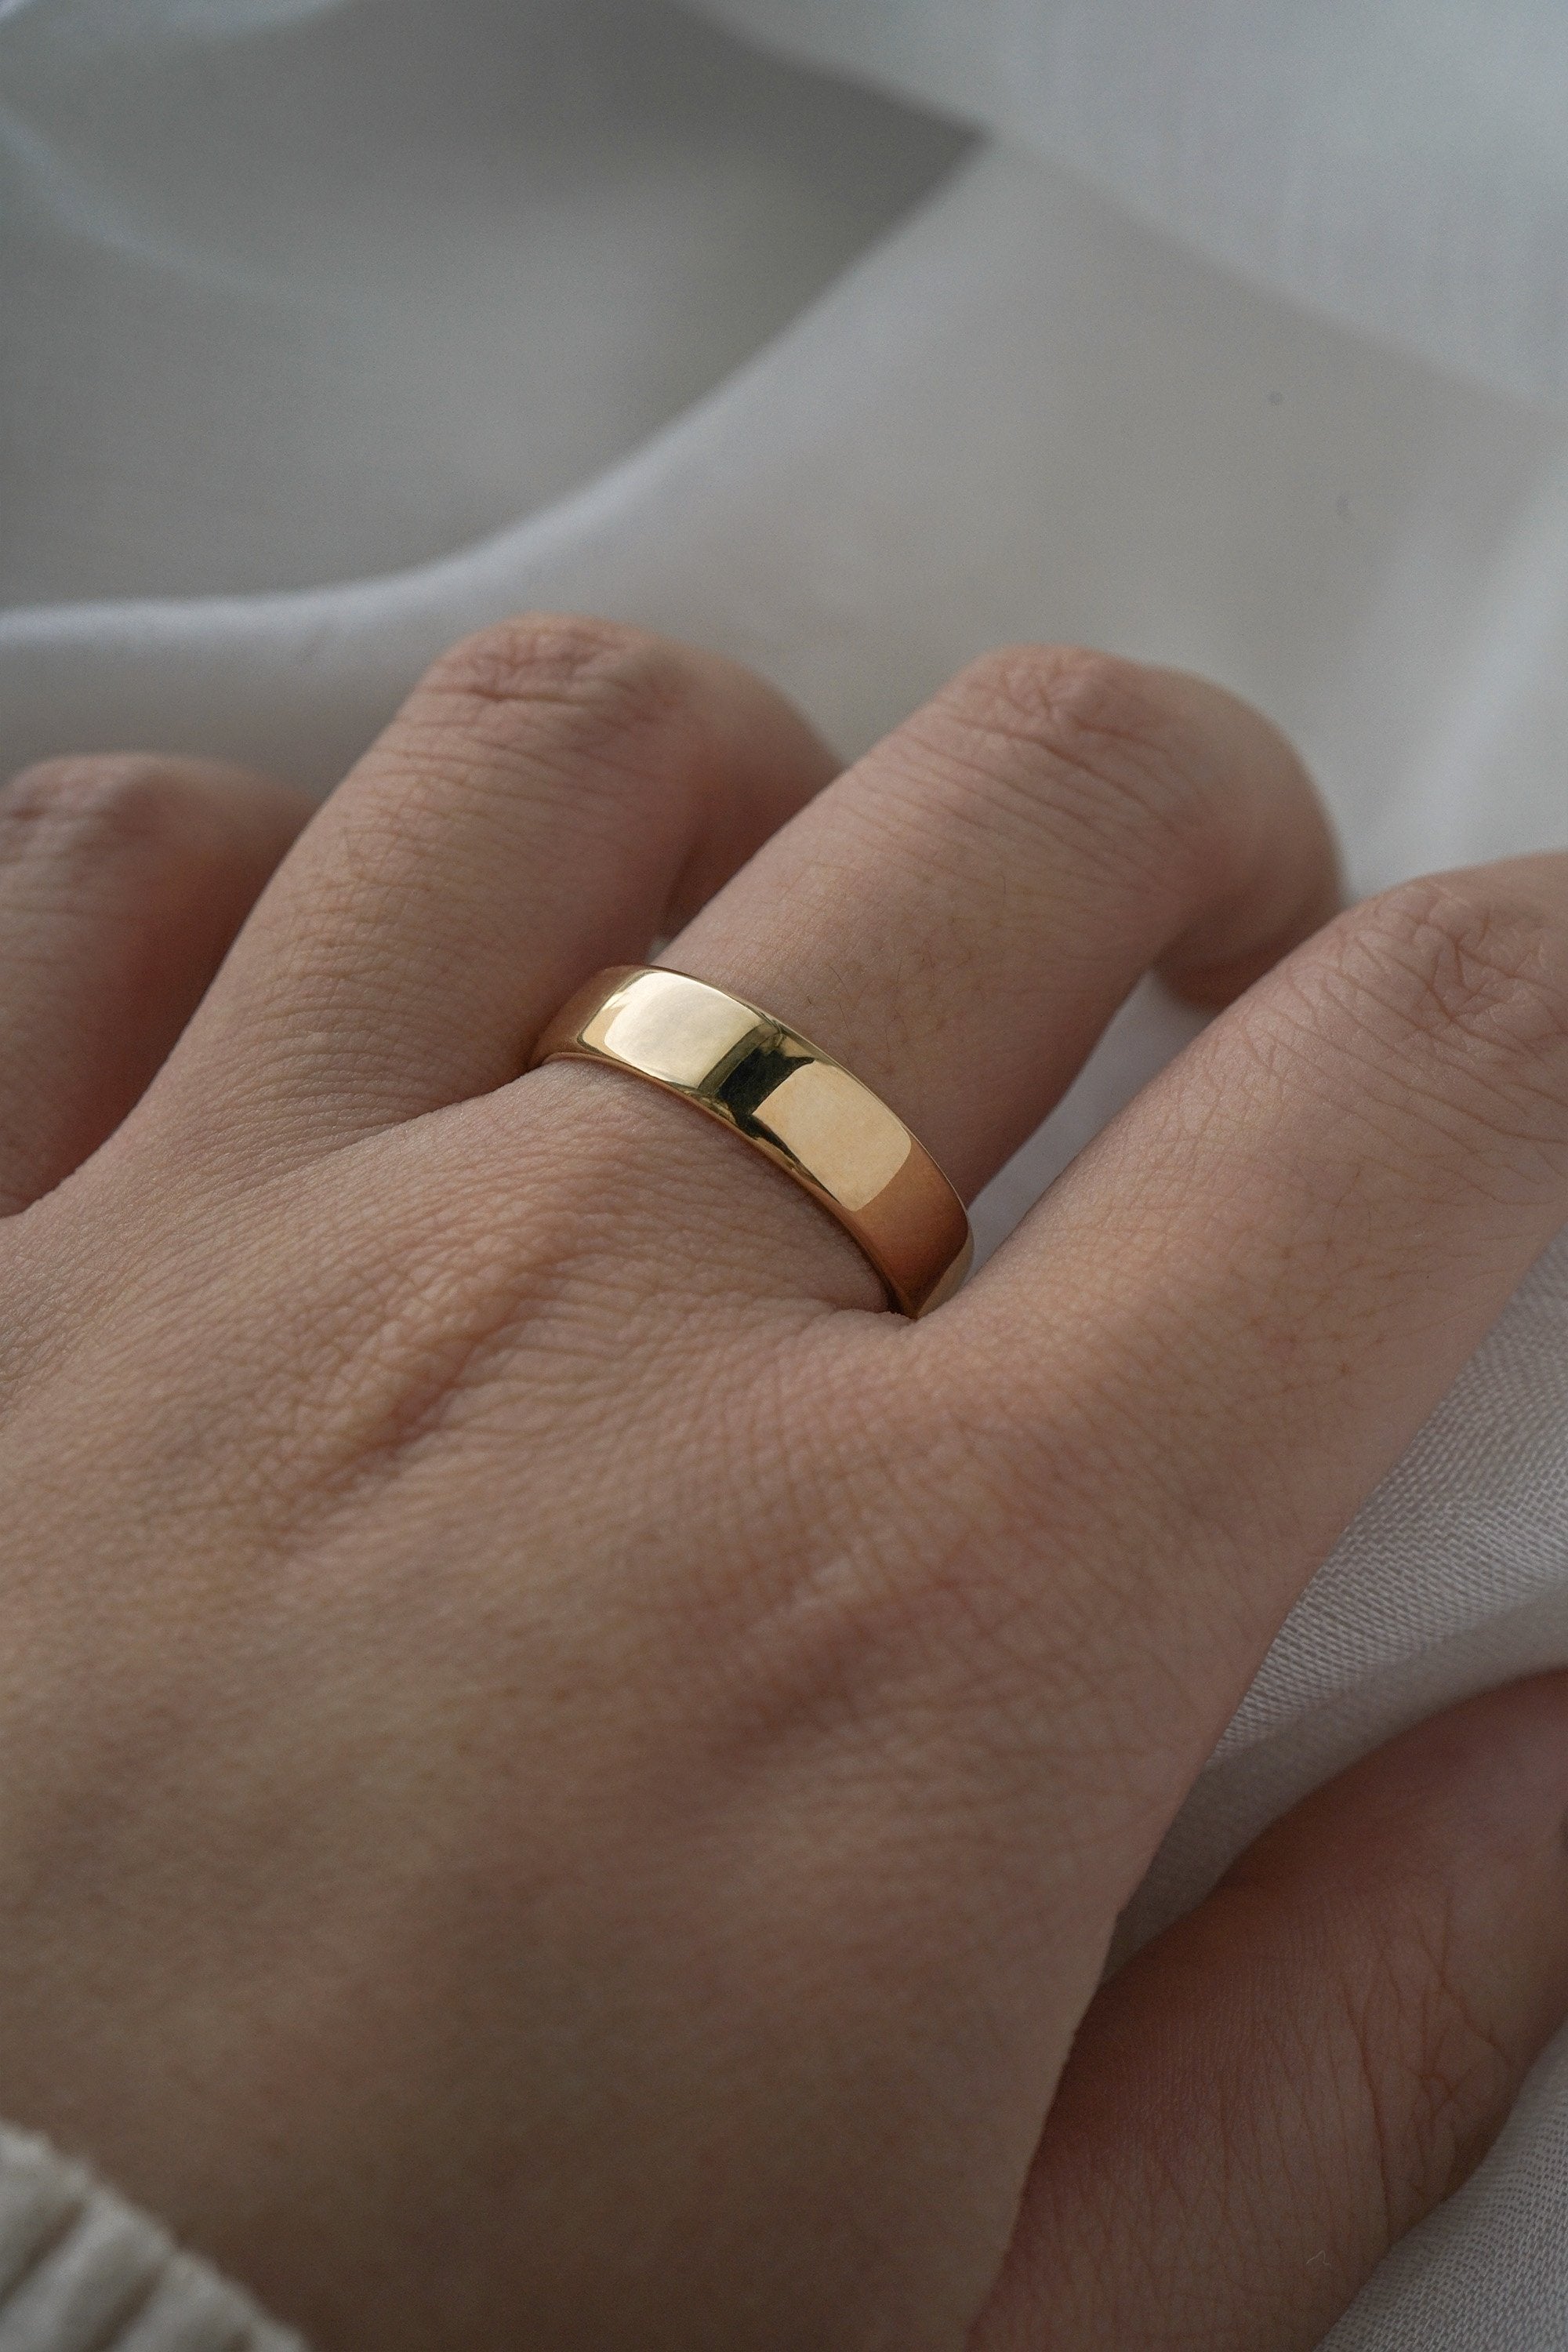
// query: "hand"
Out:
[567,1777]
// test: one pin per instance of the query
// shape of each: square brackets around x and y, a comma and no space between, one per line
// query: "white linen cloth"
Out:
[1237,336]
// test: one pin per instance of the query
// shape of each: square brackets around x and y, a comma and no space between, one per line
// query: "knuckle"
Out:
[597,677]
[1475,981]
[84,811]
[1451,957]
[1105,745]
[1052,688]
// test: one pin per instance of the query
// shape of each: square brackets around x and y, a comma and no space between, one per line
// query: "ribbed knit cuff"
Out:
[80,2271]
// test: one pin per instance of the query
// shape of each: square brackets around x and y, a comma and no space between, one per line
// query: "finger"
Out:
[554,794]
[1269,2097]
[960,915]
[1246,1297]
[123,880]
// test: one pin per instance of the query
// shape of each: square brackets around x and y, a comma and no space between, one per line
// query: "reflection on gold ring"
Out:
[793,1102]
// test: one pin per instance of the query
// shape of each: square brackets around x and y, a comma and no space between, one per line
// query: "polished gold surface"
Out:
[791,1101]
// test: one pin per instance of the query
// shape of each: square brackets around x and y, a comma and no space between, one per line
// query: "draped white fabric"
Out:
[1232,332]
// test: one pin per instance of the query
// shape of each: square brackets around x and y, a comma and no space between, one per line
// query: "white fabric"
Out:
[1240,339]
[80,2271]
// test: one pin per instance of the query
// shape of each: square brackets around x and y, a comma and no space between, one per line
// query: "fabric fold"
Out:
[1398,165]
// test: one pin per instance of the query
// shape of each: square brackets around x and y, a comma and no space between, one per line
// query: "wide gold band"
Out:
[792,1101]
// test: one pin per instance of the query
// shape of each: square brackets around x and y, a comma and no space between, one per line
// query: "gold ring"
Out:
[790,1099]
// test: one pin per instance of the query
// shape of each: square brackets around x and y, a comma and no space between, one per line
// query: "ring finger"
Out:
[959,917]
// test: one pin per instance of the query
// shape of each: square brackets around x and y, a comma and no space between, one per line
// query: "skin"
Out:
[565,1775]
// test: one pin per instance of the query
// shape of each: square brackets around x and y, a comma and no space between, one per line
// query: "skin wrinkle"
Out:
[1474,954]
[1025,1699]
[428,1398]
[1396,1991]
[70,814]
[1057,809]
[1330,2132]
[1434,937]
[1114,1412]
[618,678]
[1171,803]
[618,686]
[433,791]
[1443,2052]
[1064,699]
[1395,1084]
